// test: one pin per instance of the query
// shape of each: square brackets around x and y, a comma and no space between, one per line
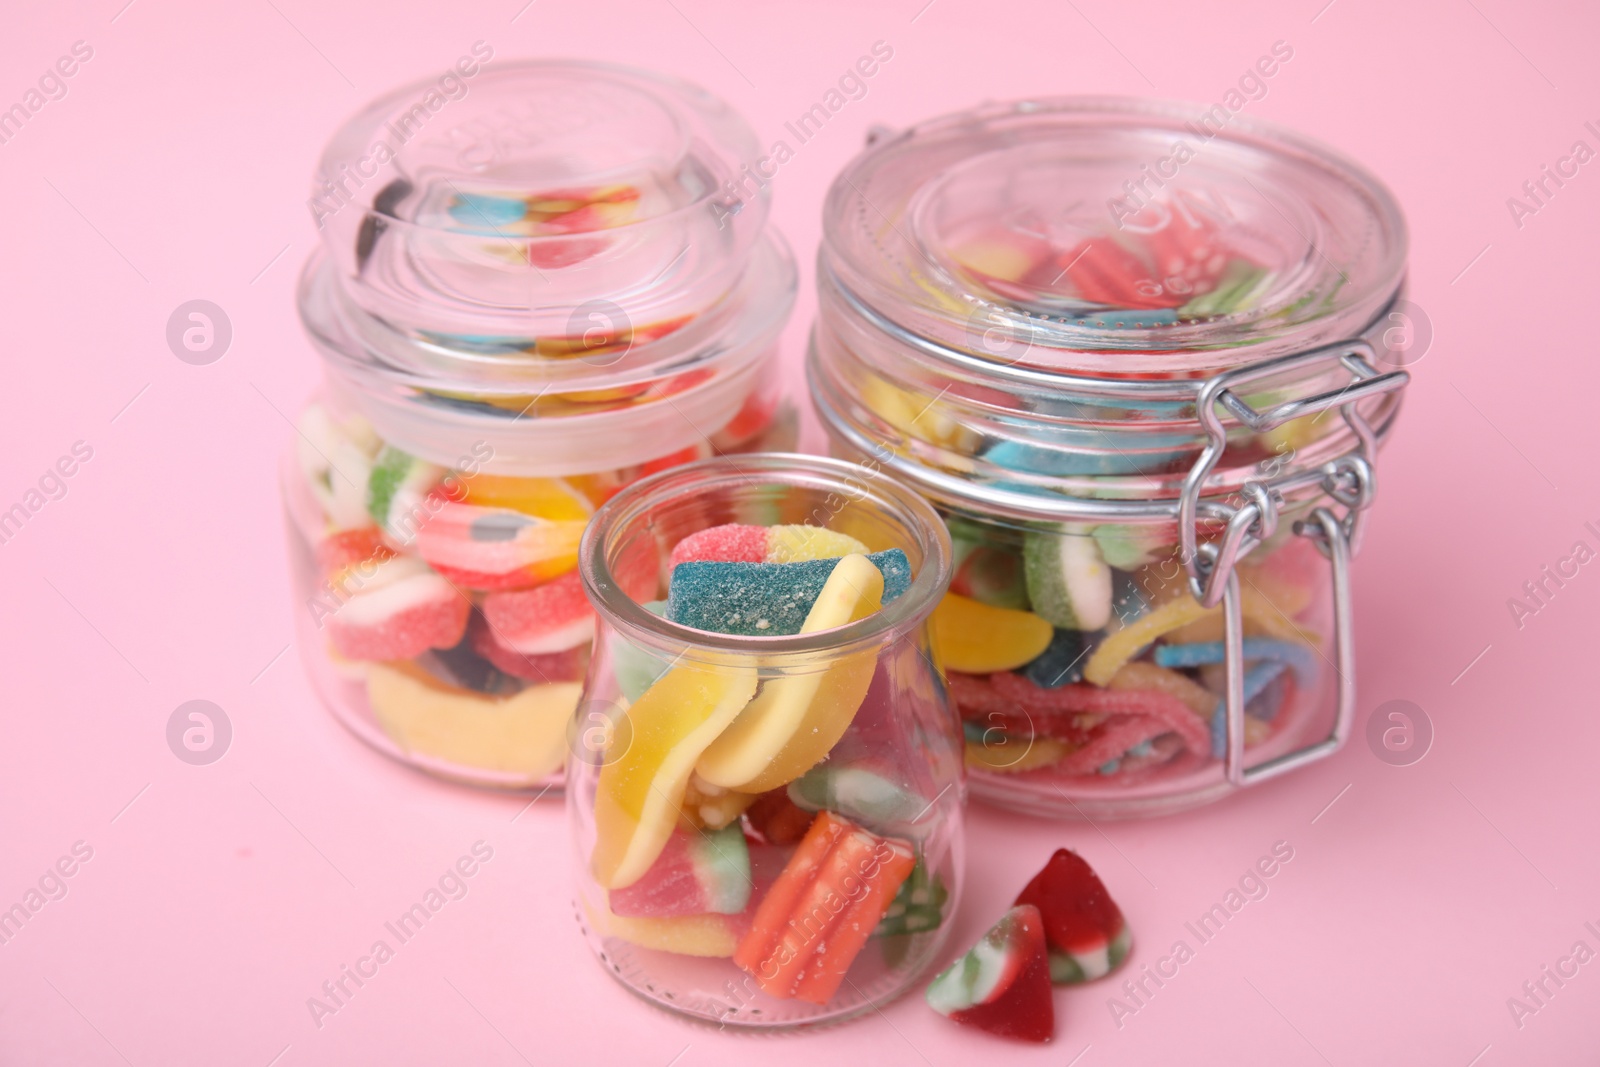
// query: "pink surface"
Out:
[219,898]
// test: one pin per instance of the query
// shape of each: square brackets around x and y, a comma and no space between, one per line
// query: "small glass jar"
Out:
[735,862]
[1137,356]
[533,289]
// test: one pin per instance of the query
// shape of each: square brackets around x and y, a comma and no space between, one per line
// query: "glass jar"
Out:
[1137,356]
[741,860]
[539,291]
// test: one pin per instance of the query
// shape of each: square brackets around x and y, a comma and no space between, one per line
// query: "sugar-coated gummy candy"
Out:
[797,718]
[918,905]
[1085,930]
[1061,663]
[1068,583]
[698,872]
[497,549]
[566,665]
[764,599]
[1002,984]
[1044,704]
[551,617]
[400,611]
[730,543]
[544,498]
[793,543]
[1257,677]
[397,488]
[1295,655]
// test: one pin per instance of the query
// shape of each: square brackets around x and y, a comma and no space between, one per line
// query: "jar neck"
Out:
[636,530]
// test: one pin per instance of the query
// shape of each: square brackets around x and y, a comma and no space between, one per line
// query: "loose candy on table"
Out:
[977,638]
[1086,932]
[400,611]
[796,719]
[764,599]
[785,952]
[523,733]
[1068,583]
[497,549]
[639,791]
[552,617]
[1003,984]
[698,872]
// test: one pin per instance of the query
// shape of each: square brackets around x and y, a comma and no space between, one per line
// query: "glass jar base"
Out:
[711,991]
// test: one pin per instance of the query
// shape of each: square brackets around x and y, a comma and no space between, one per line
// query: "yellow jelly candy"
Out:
[1016,756]
[1186,618]
[640,793]
[916,416]
[523,734]
[546,498]
[792,544]
[798,718]
[977,638]
[712,936]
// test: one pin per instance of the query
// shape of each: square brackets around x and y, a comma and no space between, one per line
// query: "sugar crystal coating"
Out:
[764,599]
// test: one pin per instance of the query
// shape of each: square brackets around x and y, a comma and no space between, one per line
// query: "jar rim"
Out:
[868,484]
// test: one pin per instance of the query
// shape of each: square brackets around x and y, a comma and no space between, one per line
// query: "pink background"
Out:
[219,898]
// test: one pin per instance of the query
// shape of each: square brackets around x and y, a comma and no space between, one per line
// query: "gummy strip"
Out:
[1256,679]
[1287,652]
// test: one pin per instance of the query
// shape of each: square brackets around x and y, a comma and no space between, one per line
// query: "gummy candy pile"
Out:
[451,598]
[1082,656]
[784,818]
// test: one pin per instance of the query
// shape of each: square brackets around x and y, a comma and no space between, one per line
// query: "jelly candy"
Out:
[639,792]
[730,543]
[496,549]
[635,668]
[1128,642]
[857,793]
[797,718]
[566,665]
[1128,547]
[524,733]
[396,493]
[983,571]
[1003,984]
[698,872]
[918,905]
[1142,675]
[545,498]
[764,599]
[975,638]
[777,819]
[1298,656]
[346,548]
[552,617]
[800,943]
[711,807]
[709,936]
[1006,755]
[1256,679]
[400,611]
[336,458]
[1068,583]
[1087,935]
[1061,663]
[741,543]
[1045,704]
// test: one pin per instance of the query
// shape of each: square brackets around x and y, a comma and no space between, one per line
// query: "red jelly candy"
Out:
[732,543]
[1087,934]
[567,665]
[1003,984]
[552,617]
[402,611]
